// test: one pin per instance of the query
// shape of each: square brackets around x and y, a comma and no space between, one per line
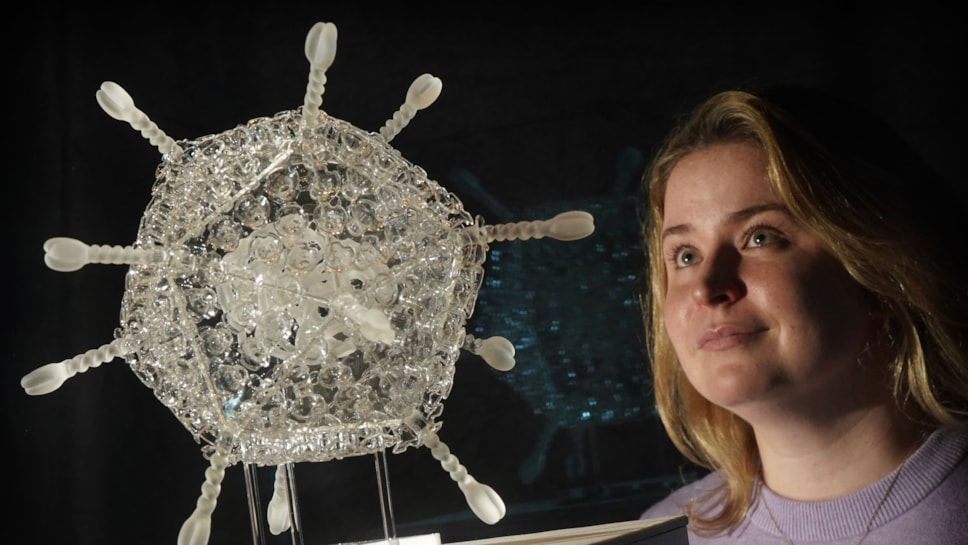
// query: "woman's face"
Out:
[756,308]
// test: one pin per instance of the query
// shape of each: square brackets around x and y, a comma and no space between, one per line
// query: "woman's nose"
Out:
[719,281]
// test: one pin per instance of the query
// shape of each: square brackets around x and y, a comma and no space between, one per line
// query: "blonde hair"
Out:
[892,231]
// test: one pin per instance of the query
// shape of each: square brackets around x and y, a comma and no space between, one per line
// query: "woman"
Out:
[807,326]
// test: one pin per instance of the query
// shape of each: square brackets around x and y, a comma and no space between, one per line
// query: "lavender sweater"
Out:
[928,506]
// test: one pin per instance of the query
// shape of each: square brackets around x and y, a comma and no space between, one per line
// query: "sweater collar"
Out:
[847,516]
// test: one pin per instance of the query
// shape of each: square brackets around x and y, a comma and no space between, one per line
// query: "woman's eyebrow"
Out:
[755,210]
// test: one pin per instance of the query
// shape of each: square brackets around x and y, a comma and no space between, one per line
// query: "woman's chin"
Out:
[732,387]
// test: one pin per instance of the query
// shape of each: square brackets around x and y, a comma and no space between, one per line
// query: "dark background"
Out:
[545,109]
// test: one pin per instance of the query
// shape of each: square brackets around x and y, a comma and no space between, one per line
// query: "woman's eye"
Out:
[762,237]
[685,257]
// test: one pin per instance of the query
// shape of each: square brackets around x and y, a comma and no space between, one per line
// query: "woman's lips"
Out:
[726,337]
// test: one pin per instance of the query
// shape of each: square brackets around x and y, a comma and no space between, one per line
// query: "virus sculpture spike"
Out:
[298,291]
[320,50]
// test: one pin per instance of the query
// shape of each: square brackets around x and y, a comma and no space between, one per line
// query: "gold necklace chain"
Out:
[870,520]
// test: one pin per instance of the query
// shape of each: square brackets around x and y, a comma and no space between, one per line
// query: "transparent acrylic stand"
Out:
[259,524]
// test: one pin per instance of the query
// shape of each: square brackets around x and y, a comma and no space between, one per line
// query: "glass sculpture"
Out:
[298,291]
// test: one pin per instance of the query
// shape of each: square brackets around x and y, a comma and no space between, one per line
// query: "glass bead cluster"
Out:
[277,243]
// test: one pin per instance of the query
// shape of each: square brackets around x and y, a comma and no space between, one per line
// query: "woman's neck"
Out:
[821,458]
